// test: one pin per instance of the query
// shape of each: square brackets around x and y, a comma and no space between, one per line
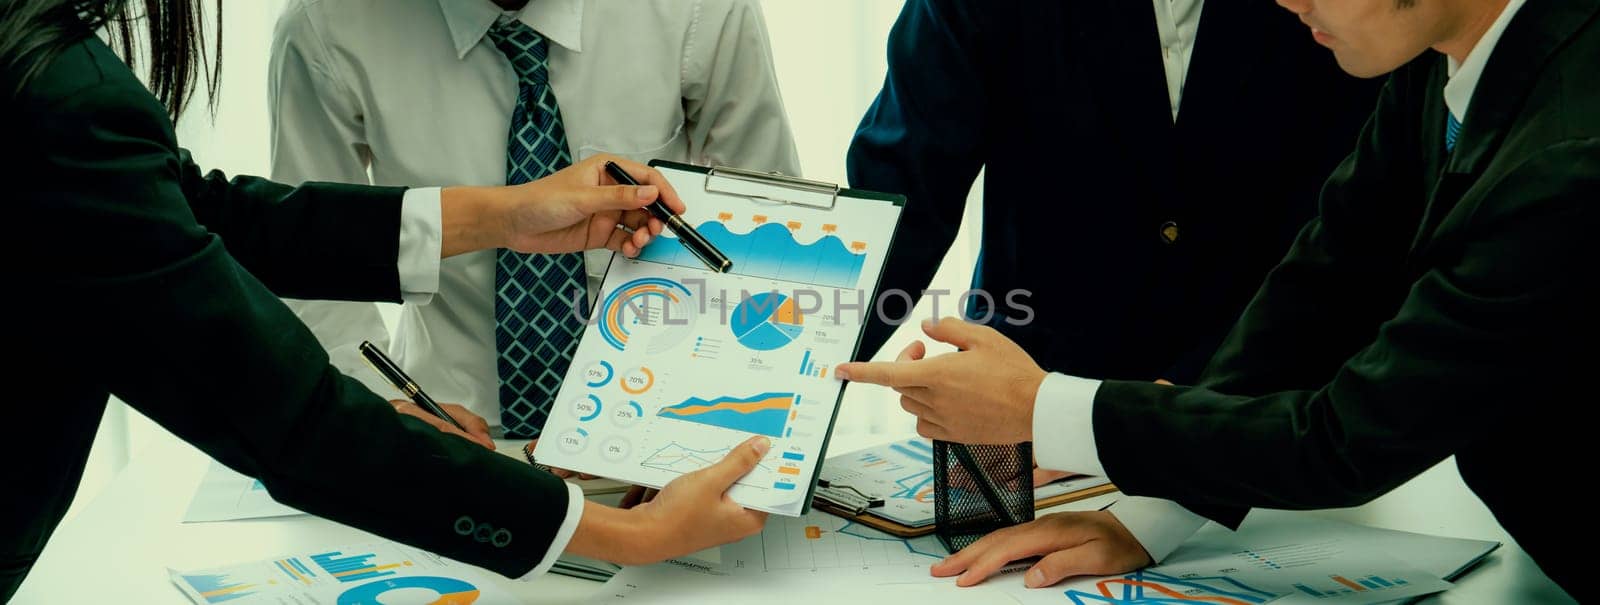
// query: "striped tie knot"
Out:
[525,48]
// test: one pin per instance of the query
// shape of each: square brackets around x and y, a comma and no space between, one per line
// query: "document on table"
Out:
[1253,571]
[840,548]
[1274,558]
[1283,559]
[226,495]
[364,574]
[680,364]
[800,560]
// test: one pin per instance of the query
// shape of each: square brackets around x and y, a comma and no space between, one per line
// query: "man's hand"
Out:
[981,394]
[1072,544]
[691,514]
[477,429]
[578,208]
[696,509]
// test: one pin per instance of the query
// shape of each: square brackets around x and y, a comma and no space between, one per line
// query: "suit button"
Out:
[482,532]
[1169,232]
[500,538]
[464,525]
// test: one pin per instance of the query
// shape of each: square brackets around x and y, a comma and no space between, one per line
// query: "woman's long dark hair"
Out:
[33,32]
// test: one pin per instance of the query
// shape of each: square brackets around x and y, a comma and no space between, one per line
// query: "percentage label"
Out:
[598,374]
[638,380]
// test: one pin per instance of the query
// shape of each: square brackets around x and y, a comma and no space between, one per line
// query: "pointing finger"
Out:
[886,373]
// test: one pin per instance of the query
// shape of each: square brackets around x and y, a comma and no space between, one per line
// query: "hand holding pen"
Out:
[448,417]
[586,207]
[687,236]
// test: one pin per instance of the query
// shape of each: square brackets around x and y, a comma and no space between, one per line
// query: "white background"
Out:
[830,63]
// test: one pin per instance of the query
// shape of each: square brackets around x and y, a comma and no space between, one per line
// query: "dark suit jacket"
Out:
[1440,304]
[1064,104]
[132,274]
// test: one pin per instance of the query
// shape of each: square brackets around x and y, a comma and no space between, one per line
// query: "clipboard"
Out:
[884,485]
[775,187]
[787,237]
[780,189]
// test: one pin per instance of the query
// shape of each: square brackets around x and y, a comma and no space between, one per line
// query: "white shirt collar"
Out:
[560,21]
[1464,75]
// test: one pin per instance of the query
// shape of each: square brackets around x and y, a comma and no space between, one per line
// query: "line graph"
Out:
[852,529]
[918,487]
[679,459]
[1147,587]
[771,250]
[763,414]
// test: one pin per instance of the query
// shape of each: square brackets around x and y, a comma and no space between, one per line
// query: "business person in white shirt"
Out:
[401,92]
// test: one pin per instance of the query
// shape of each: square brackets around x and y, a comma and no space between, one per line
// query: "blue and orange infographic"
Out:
[365,574]
[678,363]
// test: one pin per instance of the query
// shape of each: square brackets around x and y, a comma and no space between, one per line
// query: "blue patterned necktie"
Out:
[1452,129]
[536,326]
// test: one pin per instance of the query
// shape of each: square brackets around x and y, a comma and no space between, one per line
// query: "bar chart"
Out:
[355,568]
[810,367]
[1339,586]
[219,588]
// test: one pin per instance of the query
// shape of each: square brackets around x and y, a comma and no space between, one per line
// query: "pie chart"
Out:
[766,321]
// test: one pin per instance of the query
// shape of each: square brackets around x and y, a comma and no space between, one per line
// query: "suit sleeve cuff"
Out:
[569,526]
[421,241]
[1063,425]
[1159,525]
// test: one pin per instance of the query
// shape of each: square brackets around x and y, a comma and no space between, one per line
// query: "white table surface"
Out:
[130,534]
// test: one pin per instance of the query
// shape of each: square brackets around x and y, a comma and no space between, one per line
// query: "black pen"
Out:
[691,239]
[392,373]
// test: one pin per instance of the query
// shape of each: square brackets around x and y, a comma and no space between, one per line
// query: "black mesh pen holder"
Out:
[978,489]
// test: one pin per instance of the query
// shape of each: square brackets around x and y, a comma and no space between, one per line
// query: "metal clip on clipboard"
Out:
[846,497]
[725,180]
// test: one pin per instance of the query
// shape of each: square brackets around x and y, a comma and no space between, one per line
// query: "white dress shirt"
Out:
[1177,22]
[1063,409]
[411,92]
[1465,73]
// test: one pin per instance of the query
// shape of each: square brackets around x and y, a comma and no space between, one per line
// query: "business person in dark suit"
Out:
[138,276]
[1146,164]
[1440,304]
[1163,158]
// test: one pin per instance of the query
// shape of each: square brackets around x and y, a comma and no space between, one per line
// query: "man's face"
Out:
[1373,37]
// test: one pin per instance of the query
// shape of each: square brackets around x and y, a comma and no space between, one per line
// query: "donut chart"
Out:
[450,591]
